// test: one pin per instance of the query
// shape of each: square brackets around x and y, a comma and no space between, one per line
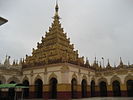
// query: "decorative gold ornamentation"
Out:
[65,69]
[98,74]
[114,78]
[55,47]
[122,72]
[74,76]
[108,73]
[53,75]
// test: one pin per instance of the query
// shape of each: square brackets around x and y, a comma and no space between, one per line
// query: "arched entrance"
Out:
[116,88]
[26,90]
[53,88]
[38,88]
[74,88]
[103,89]
[130,88]
[11,91]
[92,88]
[84,88]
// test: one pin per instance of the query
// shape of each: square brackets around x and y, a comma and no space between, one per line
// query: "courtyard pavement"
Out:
[107,98]
[96,98]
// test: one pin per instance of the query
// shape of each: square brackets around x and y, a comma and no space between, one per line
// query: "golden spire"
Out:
[121,62]
[108,64]
[55,47]
[56,7]
[87,62]
[56,11]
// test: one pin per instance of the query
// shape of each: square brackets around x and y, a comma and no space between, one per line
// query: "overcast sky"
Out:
[101,28]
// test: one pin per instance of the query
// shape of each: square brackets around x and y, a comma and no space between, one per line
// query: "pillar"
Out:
[64,91]
[88,91]
[97,93]
[109,91]
[31,91]
[46,92]
[79,94]
[123,90]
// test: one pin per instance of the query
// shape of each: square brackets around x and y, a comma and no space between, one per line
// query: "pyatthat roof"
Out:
[55,47]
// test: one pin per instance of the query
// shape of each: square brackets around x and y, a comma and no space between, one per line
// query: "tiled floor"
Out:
[96,98]
[107,98]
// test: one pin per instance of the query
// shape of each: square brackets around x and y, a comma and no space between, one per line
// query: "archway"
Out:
[74,88]
[38,88]
[26,90]
[84,88]
[53,88]
[11,91]
[92,88]
[116,88]
[130,88]
[103,89]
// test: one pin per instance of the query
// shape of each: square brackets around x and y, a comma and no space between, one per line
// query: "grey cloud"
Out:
[101,28]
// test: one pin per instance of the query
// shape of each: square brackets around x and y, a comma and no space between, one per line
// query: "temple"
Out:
[55,71]
[55,47]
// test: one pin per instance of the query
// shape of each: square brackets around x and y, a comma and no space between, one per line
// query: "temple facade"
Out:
[55,71]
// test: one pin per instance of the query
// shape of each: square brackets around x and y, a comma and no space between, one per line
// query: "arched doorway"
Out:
[92,88]
[26,90]
[116,88]
[103,89]
[11,91]
[74,88]
[130,88]
[38,88]
[84,88]
[53,88]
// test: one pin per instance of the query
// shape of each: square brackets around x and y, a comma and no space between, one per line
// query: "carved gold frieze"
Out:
[121,72]
[98,74]
[108,73]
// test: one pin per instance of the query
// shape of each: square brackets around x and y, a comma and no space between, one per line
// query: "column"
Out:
[64,91]
[123,90]
[31,91]
[46,92]
[109,91]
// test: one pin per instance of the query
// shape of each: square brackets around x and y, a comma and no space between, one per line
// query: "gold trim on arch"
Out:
[15,79]
[102,79]
[115,78]
[53,75]
[128,77]
[74,76]
[38,77]
[25,78]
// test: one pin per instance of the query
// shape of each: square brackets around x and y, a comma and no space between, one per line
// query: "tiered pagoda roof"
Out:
[55,47]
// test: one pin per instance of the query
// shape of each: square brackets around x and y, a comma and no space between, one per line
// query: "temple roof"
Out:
[55,47]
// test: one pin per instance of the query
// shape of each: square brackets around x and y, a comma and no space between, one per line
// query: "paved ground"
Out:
[107,98]
[96,98]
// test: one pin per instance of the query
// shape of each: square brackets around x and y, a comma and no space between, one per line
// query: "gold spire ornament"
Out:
[56,16]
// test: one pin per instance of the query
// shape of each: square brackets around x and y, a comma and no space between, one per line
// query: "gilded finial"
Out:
[121,62]
[108,63]
[100,64]
[114,64]
[56,11]
[56,7]
[87,62]
[128,63]
[95,61]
